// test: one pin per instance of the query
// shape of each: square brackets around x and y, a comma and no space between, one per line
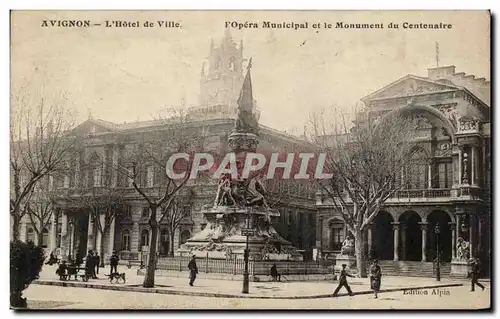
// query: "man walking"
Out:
[474,274]
[375,277]
[113,263]
[97,262]
[343,282]
[193,270]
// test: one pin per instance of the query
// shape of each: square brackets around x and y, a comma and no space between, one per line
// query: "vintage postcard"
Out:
[250,160]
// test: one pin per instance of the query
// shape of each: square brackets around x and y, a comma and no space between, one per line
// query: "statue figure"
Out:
[462,249]
[224,193]
[256,192]
[347,247]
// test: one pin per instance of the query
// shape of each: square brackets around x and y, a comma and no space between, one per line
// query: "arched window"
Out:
[125,241]
[164,242]
[185,235]
[337,235]
[144,238]
[45,238]
[30,235]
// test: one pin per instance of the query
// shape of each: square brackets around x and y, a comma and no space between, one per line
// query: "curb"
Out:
[221,295]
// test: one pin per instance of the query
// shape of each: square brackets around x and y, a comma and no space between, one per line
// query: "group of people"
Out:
[92,263]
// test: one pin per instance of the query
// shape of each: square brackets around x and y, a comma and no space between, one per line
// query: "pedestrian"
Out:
[375,277]
[89,265]
[97,262]
[274,273]
[474,274]
[343,281]
[193,270]
[113,263]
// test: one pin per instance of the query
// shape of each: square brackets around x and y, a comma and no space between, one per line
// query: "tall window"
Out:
[150,176]
[97,174]
[417,176]
[125,240]
[144,238]
[445,175]
[164,242]
[45,238]
[31,235]
[185,234]
[337,235]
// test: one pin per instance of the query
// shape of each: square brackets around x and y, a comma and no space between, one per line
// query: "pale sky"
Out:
[125,74]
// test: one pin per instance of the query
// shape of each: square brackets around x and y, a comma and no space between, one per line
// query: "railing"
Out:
[236,266]
[423,193]
[127,255]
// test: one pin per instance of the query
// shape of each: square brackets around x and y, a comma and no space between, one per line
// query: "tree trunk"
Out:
[101,250]
[39,238]
[171,243]
[149,279]
[359,246]
[16,226]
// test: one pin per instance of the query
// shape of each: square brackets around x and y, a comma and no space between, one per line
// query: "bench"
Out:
[74,271]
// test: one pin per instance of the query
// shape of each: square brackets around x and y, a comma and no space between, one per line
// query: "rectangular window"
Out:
[445,175]
[150,176]
[97,177]
[337,236]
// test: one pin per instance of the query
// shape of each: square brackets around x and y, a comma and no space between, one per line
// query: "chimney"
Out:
[441,72]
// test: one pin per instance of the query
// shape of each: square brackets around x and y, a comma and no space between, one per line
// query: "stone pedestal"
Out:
[459,268]
[222,237]
[350,261]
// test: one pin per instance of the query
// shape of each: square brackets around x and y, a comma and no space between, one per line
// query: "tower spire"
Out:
[246,121]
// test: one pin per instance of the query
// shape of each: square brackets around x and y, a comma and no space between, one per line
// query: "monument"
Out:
[240,208]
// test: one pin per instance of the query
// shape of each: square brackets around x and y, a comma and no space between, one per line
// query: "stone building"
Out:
[102,144]
[448,183]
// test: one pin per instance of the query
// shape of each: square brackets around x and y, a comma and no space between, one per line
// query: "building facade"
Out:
[102,145]
[448,183]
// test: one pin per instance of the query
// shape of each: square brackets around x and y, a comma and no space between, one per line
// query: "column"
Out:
[429,177]
[90,233]
[460,160]
[473,164]
[472,240]
[111,244]
[64,233]
[53,232]
[453,241]
[99,238]
[114,170]
[135,240]
[395,227]
[22,229]
[423,226]
[403,242]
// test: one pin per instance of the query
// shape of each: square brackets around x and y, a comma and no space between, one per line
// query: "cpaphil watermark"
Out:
[284,166]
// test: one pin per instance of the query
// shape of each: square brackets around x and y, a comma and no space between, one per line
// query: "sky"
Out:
[129,74]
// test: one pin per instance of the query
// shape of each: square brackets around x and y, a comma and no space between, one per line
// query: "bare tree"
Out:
[39,209]
[38,146]
[145,168]
[174,213]
[365,162]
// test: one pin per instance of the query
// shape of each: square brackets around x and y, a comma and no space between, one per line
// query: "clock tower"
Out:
[221,79]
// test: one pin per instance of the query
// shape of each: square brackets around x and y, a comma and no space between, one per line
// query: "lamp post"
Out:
[437,230]
[70,224]
[246,232]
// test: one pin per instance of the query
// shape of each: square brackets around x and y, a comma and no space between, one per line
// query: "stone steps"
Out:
[413,268]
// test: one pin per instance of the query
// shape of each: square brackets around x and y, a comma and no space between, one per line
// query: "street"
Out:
[53,297]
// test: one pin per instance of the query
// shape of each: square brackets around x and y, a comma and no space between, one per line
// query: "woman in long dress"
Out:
[375,277]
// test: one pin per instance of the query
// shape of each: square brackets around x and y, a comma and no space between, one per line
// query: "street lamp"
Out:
[438,266]
[246,232]
[70,224]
